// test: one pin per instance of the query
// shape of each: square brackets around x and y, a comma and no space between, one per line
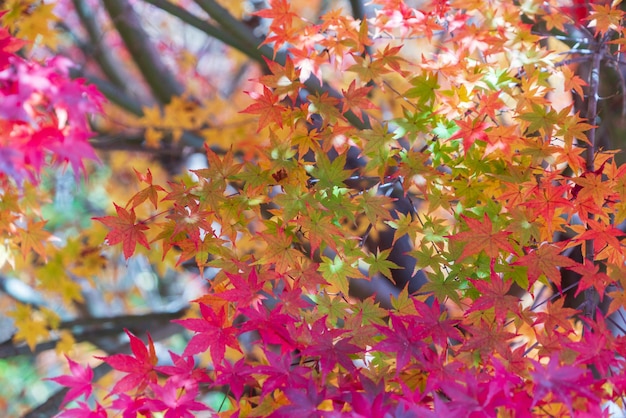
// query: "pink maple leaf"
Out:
[210,333]
[140,367]
[79,381]
[84,411]
[175,404]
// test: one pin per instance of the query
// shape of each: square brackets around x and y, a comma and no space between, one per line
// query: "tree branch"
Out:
[591,296]
[358,9]
[206,27]
[100,54]
[161,81]
[97,329]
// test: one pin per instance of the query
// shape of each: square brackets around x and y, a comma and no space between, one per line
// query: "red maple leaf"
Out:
[267,107]
[547,198]
[480,236]
[494,293]
[591,276]
[211,333]
[430,319]
[545,260]
[79,381]
[246,291]
[125,230]
[140,367]
[470,130]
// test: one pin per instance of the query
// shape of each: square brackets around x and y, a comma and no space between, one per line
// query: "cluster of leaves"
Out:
[501,183]
[43,114]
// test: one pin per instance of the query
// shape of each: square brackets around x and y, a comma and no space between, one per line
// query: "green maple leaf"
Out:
[330,173]
[379,264]
[424,87]
[337,272]
[442,286]
[541,119]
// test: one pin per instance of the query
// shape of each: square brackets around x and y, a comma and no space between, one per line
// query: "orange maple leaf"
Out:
[480,236]
[125,230]
[355,99]
[33,237]
[149,192]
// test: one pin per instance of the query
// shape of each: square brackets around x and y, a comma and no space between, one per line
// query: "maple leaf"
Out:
[573,82]
[280,249]
[378,263]
[605,17]
[330,347]
[542,119]
[33,237]
[470,131]
[140,366]
[285,80]
[281,372]
[355,99]
[274,328]
[149,192]
[210,333]
[494,293]
[236,375]
[267,108]
[548,199]
[559,380]
[556,315]
[131,406]
[604,234]
[280,13]
[337,272]
[31,327]
[425,86]
[319,228]
[125,230]
[84,411]
[79,381]
[618,300]
[304,402]
[168,398]
[431,323]
[183,370]
[480,237]
[246,291]
[400,340]
[546,261]
[591,276]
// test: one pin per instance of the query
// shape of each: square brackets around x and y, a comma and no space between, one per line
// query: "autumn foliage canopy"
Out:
[465,131]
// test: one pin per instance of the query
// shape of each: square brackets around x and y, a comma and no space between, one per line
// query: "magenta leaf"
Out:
[79,381]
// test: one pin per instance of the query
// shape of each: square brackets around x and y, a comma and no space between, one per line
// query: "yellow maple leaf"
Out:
[31,325]
[33,21]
